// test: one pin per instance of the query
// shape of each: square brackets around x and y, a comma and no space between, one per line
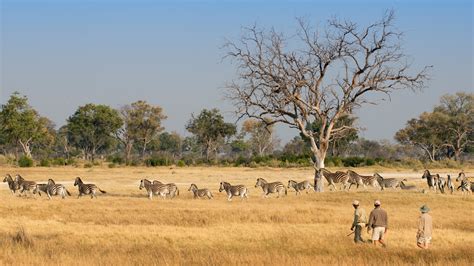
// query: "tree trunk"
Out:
[318,179]
[26,147]
[128,150]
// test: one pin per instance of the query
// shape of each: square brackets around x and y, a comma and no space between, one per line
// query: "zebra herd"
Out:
[170,190]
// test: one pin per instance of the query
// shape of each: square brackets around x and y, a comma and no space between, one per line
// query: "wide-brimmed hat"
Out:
[424,208]
[355,203]
[377,203]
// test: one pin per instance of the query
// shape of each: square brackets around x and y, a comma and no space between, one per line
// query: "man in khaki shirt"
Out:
[425,228]
[360,219]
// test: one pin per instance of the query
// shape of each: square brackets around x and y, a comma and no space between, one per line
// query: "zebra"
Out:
[298,187]
[200,193]
[25,185]
[274,187]
[53,189]
[407,187]
[365,180]
[85,189]
[465,185]
[386,182]
[41,188]
[237,190]
[12,185]
[173,190]
[449,184]
[430,179]
[154,188]
[333,178]
[441,183]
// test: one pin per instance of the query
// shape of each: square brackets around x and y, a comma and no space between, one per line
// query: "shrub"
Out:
[181,163]
[112,165]
[88,165]
[352,161]
[45,163]
[158,161]
[25,161]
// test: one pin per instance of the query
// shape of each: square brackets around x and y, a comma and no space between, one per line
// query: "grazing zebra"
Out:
[200,193]
[25,185]
[430,179]
[465,185]
[333,178]
[86,189]
[386,182]
[449,184]
[441,183]
[407,187]
[12,185]
[365,180]
[172,188]
[274,187]
[237,190]
[154,188]
[298,187]
[54,189]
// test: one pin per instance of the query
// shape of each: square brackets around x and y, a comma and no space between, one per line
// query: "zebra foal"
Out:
[298,187]
[173,190]
[200,193]
[387,182]
[465,186]
[154,188]
[273,187]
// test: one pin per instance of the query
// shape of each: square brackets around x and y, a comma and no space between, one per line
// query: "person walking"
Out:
[425,228]
[378,222]
[360,219]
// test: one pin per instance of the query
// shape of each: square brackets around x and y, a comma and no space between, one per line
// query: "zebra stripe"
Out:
[26,186]
[441,183]
[200,193]
[298,187]
[154,188]
[430,179]
[449,184]
[274,187]
[465,185]
[12,185]
[86,189]
[172,188]
[54,189]
[334,178]
[407,187]
[365,180]
[231,191]
[386,182]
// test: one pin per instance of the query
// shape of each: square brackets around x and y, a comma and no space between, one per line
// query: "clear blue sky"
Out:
[63,54]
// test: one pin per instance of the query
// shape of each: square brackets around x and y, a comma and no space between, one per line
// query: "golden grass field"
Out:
[124,227]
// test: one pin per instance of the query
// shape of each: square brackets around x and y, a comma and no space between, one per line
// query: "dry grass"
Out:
[124,227]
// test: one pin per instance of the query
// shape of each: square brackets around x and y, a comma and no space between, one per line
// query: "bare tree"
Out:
[322,76]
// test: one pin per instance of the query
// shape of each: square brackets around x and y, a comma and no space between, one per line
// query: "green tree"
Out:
[424,132]
[210,130]
[458,119]
[91,128]
[171,143]
[21,125]
[142,125]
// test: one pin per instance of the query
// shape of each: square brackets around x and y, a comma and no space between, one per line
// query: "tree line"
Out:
[134,135]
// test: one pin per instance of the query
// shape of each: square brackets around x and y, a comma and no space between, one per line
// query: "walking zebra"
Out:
[333,178]
[441,183]
[465,185]
[365,180]
[172,188]
[274,187]
[12,185]
[200,193]
[386,182]
[231,191]
[154,188]
[54,189]
[41,188]
[86,189]
[449,184]
[298,187]
[430,179]
[25,185]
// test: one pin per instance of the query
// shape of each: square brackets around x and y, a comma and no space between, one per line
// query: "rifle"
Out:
[350,233]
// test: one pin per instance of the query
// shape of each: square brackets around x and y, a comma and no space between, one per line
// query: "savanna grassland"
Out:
[124,227]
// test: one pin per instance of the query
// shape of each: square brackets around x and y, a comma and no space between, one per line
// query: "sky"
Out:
[64,54]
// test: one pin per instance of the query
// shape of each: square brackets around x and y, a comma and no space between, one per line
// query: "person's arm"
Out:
[371,221]
[421,226]
[386,222]
[354,223]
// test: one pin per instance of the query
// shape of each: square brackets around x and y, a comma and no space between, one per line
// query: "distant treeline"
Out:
[133,135]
